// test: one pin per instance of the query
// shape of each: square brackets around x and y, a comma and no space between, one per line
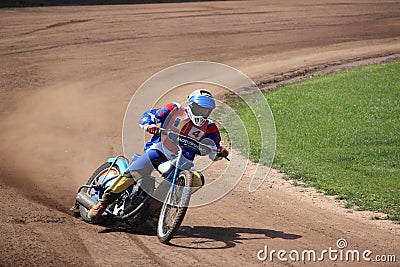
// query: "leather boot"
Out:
[120,184]
[95,213]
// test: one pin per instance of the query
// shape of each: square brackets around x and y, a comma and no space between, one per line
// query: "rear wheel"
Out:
[95,179]
[174,207]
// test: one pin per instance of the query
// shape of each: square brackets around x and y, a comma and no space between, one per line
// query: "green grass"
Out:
[341,134]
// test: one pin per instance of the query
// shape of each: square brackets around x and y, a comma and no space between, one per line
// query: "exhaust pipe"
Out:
[85,200]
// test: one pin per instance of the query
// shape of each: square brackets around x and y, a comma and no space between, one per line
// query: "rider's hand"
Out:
[153,129]
[221,153]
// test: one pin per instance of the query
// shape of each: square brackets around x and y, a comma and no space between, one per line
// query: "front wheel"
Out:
[174,207]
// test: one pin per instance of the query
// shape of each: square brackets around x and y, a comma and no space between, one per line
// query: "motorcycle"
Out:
[141,202]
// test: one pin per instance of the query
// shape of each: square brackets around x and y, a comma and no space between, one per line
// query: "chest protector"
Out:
[179,122]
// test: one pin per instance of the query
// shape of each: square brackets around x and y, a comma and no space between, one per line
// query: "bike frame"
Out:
[176,171]
[172,175]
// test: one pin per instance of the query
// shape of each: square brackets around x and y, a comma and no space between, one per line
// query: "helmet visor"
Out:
[198,110]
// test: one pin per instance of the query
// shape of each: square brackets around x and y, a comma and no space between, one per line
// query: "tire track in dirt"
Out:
[58,24]
[151,254]
[176,256]
[34,229]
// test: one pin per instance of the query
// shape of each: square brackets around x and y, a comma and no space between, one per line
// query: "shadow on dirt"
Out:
[148,228]
[34,3]
[209,237]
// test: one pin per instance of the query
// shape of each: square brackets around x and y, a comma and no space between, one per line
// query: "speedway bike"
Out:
[166,200]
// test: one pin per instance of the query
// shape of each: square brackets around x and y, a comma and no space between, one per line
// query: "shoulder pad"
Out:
[177,105]
[210,122]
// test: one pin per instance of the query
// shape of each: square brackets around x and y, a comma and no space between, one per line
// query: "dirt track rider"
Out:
[124,190]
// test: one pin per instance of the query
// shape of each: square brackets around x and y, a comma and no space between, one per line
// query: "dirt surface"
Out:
[41,3]
[67,75]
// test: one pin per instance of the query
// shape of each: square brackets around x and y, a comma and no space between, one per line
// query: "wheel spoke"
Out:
[174,207]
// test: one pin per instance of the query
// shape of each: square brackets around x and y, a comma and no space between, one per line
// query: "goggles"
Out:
[198,110]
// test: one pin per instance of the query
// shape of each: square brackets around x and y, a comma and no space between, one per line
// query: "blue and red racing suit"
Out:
[172,117]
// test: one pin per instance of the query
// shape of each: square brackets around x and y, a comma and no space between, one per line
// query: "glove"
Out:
[221,153]
[153,129]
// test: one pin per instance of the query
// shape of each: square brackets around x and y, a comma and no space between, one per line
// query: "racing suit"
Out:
[171,117]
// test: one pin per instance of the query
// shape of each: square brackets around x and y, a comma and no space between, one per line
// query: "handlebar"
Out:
[185,141]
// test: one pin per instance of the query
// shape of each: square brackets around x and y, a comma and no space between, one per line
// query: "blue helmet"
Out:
[200,105]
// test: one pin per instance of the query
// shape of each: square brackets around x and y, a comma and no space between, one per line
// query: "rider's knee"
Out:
[198,181]
[122,182]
